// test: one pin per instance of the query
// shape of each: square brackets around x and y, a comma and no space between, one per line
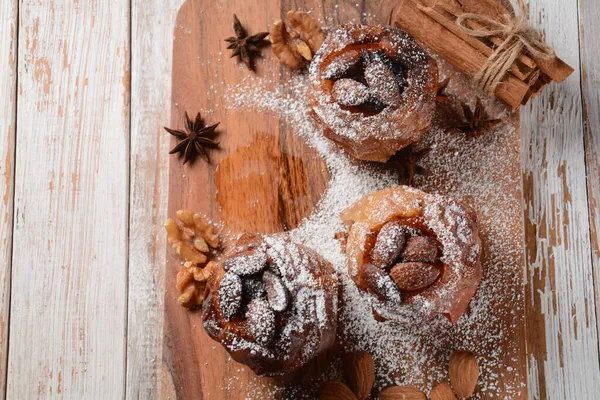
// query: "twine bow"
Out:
[518,36]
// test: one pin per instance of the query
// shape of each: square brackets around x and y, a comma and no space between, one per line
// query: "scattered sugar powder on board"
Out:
[406,352]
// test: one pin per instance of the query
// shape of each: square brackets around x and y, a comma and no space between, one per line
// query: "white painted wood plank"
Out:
[152,49]
[563,362]
[8,82]
[68,302]
[589,17]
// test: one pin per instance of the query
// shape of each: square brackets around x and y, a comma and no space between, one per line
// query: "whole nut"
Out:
[335,390]
[464,372]
[389,243]
[261,321]
[348,92]
[420,249]
[230,295]
[360,373]
[191,236]
[182,240]
[296,40]
[277,294]
[307,28]
[402,392]
[442,391]
[380,284]
[411,276]
[191,282]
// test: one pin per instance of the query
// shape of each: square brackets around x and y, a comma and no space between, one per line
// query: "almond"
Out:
[261,321]
[277,294]
[411,276]
[464,372]
[360,373]
[442,391]
[402,392]
[381,285]
[335,390]
[382,80]
[246,263]
[349,92]
[389,244]
[421,248]
[230,295]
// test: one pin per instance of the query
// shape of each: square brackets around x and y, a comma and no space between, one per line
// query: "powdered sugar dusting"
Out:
[415,96]
[247,264]
[230,293]
[406,352]
[261,321]
[281,335]
[277,294]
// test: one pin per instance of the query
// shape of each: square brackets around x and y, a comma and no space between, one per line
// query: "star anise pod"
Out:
[477,121]
[245,47]
[441,96]
[405,161]
[194,139]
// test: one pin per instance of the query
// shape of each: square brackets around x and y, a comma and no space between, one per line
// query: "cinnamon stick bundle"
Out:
[434,24]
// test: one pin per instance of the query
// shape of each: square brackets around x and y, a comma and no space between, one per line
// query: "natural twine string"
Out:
[517,35]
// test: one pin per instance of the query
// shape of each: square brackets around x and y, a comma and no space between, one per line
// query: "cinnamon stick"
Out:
[455,50]
[536,88]
[555,68]
[477,44]
[455,11]
[433,23]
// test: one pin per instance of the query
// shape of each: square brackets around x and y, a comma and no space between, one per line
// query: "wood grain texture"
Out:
[251,185]
[69,286]
[589,40]
[8,102]
[151,47]
[196,366]
[276,166]
[561,308]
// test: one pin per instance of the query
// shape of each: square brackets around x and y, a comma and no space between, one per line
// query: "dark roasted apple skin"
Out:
[302,331]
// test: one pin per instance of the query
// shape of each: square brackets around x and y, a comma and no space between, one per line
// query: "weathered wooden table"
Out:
[85,89]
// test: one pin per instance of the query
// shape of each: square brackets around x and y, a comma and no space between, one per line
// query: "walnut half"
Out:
[191,283]
[296,40]
[192,237]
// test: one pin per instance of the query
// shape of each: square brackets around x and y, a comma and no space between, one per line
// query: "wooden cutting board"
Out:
[267,180]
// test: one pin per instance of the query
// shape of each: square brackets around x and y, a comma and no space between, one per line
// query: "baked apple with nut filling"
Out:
[272,304]
[414,253]
[373,89]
